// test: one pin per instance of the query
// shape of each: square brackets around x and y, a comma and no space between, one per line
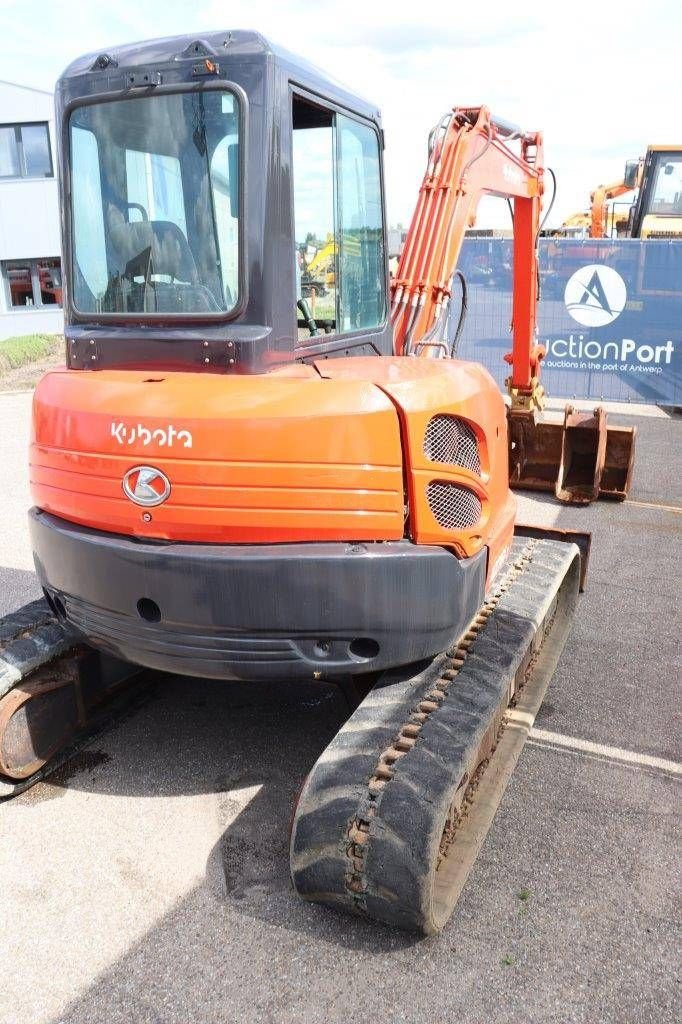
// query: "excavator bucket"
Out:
[618,462]
[580,460]
[583,450]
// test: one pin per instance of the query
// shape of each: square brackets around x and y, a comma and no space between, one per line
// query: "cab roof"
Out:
[228,45]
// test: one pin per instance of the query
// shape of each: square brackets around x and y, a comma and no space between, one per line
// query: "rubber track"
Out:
[30,639]
[368,830]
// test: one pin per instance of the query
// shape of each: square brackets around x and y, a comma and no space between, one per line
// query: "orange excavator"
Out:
[605,193]
[225,487]
[600,220]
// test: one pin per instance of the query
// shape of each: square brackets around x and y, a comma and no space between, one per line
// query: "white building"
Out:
[30,273]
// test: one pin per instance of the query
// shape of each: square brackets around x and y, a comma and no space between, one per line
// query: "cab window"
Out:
[339,256]
[667,193]
[155,204]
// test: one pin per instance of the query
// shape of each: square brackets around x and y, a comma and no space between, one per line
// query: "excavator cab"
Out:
[199,178]
[658,210]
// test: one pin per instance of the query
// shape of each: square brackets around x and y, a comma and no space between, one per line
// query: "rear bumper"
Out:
[256,611]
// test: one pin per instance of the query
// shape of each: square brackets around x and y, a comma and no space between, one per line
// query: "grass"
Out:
[524,896]
[26,348]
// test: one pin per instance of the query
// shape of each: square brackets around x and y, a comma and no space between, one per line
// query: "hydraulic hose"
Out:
[463,309]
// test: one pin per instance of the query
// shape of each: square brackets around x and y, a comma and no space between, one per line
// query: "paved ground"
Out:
[149,883]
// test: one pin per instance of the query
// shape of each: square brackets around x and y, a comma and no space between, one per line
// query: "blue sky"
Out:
[601,79]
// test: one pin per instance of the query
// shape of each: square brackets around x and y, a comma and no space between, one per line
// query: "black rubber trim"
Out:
[257,611]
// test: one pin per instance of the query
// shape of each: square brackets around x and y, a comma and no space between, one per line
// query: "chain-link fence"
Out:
[610,315]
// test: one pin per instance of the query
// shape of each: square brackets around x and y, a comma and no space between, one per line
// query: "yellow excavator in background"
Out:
[575,226]
[657,210]
[322,263]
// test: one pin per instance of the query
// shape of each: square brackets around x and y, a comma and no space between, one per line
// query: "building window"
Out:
[25,151]
[32,283]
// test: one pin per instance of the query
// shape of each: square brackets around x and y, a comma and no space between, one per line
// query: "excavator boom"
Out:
[470,156]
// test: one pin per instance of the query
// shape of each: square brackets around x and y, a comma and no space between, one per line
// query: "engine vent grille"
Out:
[451,440]
[453,506]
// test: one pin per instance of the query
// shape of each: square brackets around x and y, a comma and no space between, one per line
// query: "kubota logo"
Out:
[511,173]
[146,486]
[164,437]
[595,295]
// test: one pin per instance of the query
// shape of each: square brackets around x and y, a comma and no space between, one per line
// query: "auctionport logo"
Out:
[595,295]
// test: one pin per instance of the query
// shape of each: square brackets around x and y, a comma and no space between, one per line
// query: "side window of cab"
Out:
[338,221]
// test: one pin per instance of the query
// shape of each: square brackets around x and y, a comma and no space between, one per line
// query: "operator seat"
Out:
[157,252]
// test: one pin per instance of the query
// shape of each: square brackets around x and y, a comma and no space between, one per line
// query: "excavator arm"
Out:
[469,156]
[598,200]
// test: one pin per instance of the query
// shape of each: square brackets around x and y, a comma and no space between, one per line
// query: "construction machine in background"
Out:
[603,219]
[656,210]
[222,490]
[575,226]
[323,261]
[654,218]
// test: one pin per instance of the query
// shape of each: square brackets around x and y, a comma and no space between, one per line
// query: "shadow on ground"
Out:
[206,737]
[240,946]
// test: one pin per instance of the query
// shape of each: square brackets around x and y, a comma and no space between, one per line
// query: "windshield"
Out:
[666,196]
[155,204]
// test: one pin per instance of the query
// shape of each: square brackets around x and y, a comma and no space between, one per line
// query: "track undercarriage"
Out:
[55,692]
[395,810]
[393,813]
